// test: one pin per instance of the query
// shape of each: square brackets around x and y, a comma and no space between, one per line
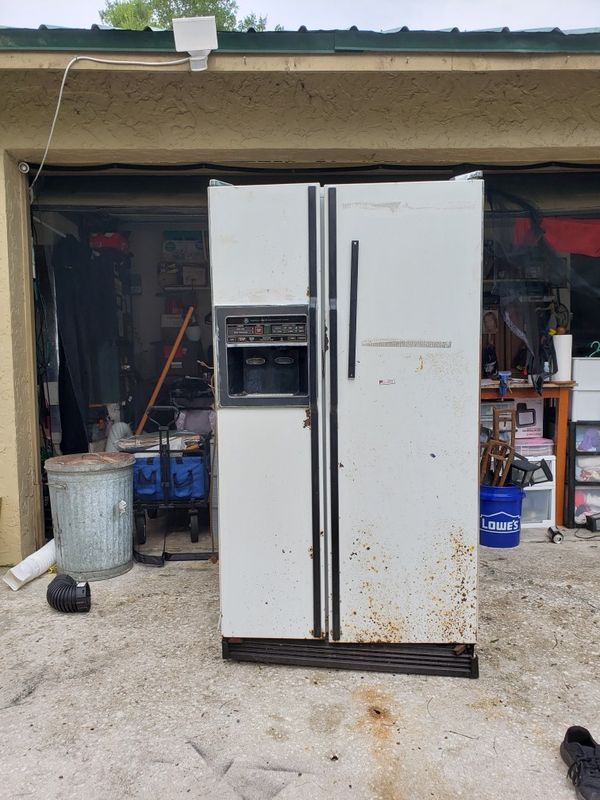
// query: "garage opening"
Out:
[120,260]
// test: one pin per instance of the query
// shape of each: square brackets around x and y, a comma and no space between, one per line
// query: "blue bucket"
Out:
[500,515]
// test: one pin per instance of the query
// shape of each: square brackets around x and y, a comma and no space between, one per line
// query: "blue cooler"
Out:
[500,515]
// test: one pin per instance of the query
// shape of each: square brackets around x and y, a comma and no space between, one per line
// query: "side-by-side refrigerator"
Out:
[347,344]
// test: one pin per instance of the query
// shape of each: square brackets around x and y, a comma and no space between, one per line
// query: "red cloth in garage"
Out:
[564,234]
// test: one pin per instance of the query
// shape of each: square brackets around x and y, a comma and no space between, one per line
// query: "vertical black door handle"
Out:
[352,319]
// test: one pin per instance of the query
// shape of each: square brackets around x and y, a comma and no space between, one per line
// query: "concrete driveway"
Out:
[133,700]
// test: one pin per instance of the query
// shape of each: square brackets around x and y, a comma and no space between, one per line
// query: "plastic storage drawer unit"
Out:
[539,501]
[583,491]
[538,508]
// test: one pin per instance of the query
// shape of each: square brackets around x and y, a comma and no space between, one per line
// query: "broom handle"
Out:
[165,370]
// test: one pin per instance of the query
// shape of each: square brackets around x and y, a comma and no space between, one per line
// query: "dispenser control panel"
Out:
[274,328]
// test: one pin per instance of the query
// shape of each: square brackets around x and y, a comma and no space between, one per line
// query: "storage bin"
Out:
[535,449]
[587,469]
[538,507]
[586,501]
[587,437]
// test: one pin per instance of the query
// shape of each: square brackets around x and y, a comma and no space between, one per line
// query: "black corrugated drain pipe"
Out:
[65,594]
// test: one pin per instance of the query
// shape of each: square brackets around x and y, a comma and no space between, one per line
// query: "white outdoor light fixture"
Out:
[197,35]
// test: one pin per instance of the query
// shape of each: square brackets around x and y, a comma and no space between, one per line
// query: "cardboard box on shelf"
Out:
[184,246]
[194,275]
[530,418]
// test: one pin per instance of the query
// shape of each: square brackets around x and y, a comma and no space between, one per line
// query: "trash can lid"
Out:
[89,462]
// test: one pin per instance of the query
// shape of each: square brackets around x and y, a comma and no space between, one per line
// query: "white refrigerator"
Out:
[347,348]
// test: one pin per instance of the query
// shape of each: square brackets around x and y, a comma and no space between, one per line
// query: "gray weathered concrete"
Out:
[134,701]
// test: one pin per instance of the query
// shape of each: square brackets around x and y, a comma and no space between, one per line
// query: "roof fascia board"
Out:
[316,63]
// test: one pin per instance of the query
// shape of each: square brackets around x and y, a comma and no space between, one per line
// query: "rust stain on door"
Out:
[454,611]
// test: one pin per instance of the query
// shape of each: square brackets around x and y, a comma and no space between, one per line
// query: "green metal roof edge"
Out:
[349,41]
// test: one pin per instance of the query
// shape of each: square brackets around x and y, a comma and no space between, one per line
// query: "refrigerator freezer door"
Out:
[258,245]
[265,251]
[405,276]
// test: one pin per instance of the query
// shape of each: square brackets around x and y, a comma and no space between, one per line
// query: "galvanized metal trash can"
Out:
[91,496]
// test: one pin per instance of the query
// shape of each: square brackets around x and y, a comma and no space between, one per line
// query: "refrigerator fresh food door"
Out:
[265,272]
[404,286]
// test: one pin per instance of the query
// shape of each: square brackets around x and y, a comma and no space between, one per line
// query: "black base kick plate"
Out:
[458,661]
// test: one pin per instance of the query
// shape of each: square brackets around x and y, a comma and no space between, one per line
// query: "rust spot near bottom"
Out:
[306,422]
[377,720]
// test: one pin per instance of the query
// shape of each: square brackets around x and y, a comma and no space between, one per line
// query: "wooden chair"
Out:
[495,464]
[505,420]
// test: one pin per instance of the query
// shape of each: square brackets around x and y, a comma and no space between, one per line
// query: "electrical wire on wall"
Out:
[72,62]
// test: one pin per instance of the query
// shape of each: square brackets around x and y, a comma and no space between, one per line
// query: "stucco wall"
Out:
[19,447]
[305,118]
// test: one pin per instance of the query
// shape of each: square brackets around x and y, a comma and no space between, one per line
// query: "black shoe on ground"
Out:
[581,753]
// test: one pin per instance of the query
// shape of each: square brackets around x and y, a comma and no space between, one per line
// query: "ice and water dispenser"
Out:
[263,355]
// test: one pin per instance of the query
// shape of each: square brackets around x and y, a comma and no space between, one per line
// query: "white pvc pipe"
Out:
[31,567]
